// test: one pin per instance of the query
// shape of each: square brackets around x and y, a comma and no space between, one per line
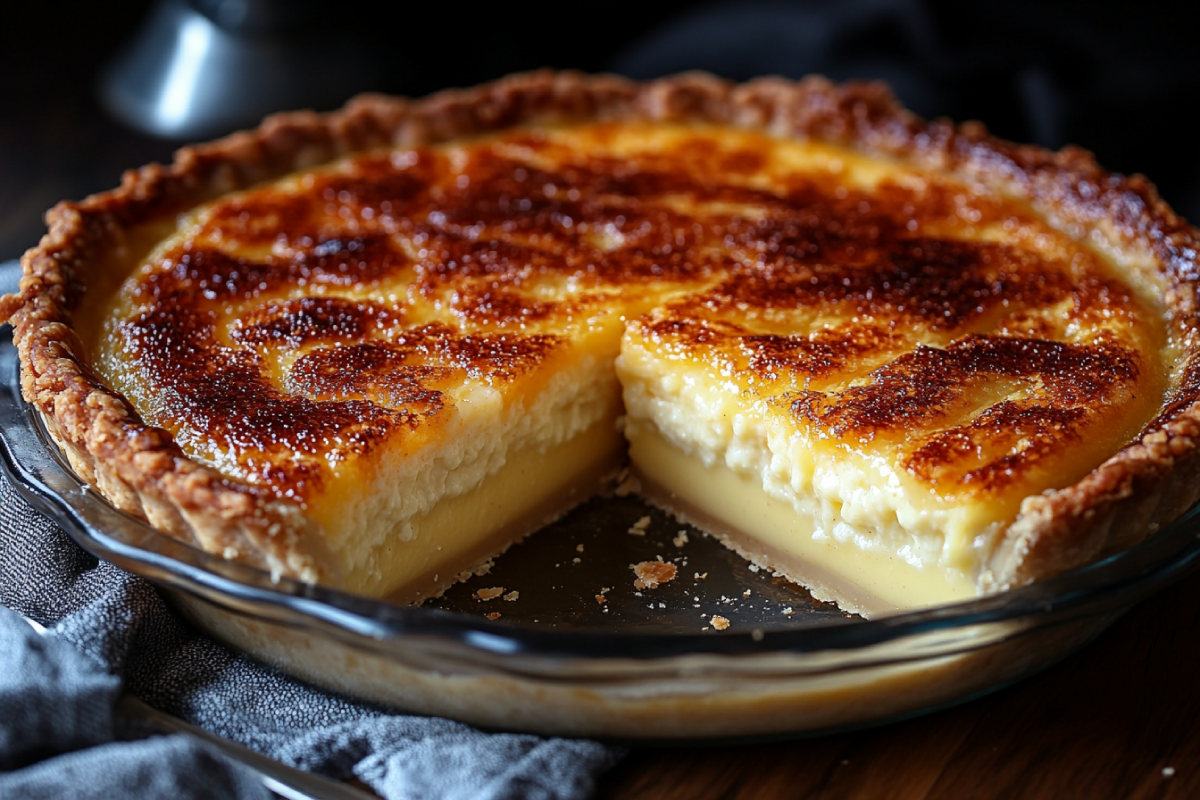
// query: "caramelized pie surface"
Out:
[331,346]
[911,316]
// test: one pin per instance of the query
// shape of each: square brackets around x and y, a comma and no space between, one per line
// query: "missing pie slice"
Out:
[901,362]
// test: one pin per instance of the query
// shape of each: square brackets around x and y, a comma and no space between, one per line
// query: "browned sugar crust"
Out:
[481,233]
[854,252]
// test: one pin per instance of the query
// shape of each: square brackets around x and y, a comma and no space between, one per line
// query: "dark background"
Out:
[1120,81]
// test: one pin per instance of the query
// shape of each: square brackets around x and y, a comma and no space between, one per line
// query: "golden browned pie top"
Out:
[895,286]
[289,326]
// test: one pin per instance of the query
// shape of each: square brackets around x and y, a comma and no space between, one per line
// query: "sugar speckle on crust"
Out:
[652,573]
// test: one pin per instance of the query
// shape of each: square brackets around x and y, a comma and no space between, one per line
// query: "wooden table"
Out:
[1121,719]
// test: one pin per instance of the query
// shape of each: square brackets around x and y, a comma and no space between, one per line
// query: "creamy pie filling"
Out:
[851,370]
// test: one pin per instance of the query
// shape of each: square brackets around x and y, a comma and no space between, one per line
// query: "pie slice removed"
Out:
[901,362]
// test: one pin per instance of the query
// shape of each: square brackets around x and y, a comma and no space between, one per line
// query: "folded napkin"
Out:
[110,632]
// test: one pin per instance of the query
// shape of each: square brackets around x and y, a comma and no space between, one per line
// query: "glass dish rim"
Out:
[28,457]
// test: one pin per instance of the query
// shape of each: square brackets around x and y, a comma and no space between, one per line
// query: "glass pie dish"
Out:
[571,647]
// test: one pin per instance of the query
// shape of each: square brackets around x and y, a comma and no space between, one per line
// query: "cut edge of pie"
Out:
[143,471]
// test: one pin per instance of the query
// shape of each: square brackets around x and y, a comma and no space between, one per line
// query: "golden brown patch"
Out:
[294,323]
[331,312]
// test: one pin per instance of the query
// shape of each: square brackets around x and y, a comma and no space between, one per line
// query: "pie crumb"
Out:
[513,595]
[652,573]
[484,568]
[719,622]
[494,615]
[578,548]
[700,576]
[639,528]
[681,539]
[489,594]
[626,484]
[601,599]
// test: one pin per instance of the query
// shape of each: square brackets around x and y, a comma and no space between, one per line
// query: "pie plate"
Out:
[573,648]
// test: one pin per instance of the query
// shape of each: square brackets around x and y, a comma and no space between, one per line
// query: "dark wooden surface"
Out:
[1103,724]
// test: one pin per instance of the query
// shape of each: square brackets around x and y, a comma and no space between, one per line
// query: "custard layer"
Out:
[769,532]
[534,487]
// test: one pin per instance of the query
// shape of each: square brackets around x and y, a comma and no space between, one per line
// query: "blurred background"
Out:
[90,89]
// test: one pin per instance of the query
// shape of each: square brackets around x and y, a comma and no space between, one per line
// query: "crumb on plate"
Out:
[652,573]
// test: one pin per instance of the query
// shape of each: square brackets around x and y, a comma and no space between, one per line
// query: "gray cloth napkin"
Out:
[109,631]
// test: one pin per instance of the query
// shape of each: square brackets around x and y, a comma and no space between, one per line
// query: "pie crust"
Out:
[142,470]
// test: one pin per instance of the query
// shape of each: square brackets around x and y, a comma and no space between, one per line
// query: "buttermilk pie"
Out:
[899,361]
